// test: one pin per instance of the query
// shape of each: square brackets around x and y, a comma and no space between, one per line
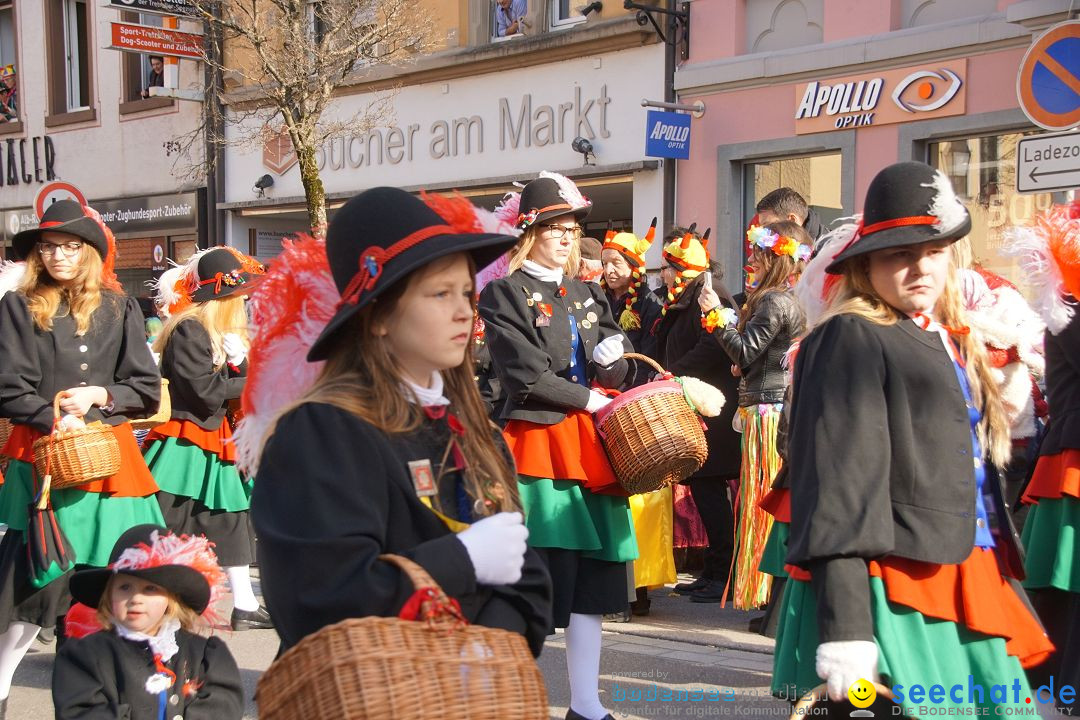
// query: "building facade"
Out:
[479,114]
[81,119]
[820,95]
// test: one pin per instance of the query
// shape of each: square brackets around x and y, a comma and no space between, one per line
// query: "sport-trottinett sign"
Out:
[892,96]
[155,40]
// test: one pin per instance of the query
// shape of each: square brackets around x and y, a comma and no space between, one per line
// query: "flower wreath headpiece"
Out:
[766,239]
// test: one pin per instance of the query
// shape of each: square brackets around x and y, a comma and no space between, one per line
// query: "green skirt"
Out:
[563,514]
[92,522]
[184,469]
[775,552]
[912,650]
[1052,542]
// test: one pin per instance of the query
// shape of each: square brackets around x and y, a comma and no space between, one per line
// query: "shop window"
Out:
[141,71]
[68,41]
[983,173]
[182,247]
[9,95]
[816,177]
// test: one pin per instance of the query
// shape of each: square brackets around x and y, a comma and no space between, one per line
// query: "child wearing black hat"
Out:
[203,350]
[380,443]
[141,657]
[68,329]
[903,558]
[551,335]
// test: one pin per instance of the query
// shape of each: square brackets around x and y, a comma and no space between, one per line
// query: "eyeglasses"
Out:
[70,249]
[558,231]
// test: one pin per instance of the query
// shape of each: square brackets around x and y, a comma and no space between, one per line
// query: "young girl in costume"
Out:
[140,657]
[68,329]
[550,336]
[389,448]
[905,559]
[685,348]
[203,350]
[638,311]
[757,343]
[1050,251]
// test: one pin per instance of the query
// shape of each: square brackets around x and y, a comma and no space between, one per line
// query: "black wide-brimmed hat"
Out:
[907,203]
[550,196]
[148,560]
[381,236]
[220,274]
[63,216]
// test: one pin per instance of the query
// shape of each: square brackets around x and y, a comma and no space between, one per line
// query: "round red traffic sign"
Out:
[51,192]
[1048,83]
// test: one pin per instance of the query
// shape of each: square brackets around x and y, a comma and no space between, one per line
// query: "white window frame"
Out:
[559,23]
[71,54]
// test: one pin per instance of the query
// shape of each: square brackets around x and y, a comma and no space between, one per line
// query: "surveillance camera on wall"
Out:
[584,147]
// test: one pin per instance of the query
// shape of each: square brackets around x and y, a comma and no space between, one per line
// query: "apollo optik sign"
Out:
[895,96]
[667,135]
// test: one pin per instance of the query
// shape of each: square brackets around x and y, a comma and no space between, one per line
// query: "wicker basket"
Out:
[802,709]
[652,435]
[381,667]
[164,411]
[76,457]
[5,431]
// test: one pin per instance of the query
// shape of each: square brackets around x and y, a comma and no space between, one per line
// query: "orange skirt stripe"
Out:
[777,502]
[1054,476]
[569,450]
[218,441]
[132,480]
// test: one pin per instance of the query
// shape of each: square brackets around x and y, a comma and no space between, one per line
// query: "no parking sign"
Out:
[50,193]
[1048,84]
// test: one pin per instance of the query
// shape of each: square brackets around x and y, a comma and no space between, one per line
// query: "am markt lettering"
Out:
[520,124]
[1056,152]
[26,165]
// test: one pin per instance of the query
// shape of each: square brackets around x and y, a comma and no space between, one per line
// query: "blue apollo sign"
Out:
[667,135]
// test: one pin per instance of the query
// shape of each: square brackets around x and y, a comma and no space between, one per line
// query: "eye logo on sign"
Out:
[923,88]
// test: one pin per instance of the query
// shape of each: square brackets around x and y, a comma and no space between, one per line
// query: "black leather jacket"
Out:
[760,348]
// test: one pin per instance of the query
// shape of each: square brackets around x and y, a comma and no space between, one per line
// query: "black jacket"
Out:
[533,362]
[648,307]
[198,392]
[113,354]
[880,463]
[686,348]
[103,677]
[1063,389]
[760,348]
[334,493]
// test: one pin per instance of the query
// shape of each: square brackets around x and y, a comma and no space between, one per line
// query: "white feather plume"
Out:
[164,289]
[810,290]
[1042,276]
[568,191]
[946,206]
[11,276]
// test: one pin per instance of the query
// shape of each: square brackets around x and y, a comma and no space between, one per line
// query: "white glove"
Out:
[840,664]
[597,401]
[608,351]
[235,350]
[496,547]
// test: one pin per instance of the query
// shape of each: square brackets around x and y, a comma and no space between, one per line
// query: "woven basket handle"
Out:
[645,359]
[420,578]
[56,406]
[821,691]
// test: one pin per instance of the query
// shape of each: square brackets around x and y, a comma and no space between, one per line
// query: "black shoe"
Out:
[755,623]
[710,593]
[640,607]
[571,715]
[251,619]
[619,617]
[689,587]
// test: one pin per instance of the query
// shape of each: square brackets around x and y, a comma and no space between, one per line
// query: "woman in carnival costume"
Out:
[203,350]
[364,427]
[550,335]
[638,311]
[904,561]
[1050,251]
[69,329]
[137,650]
[686,348]
[757,341]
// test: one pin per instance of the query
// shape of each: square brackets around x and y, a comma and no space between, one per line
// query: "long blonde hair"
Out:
[219,317]
[82,295]
[520,252]
[854,295]
[361,377]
